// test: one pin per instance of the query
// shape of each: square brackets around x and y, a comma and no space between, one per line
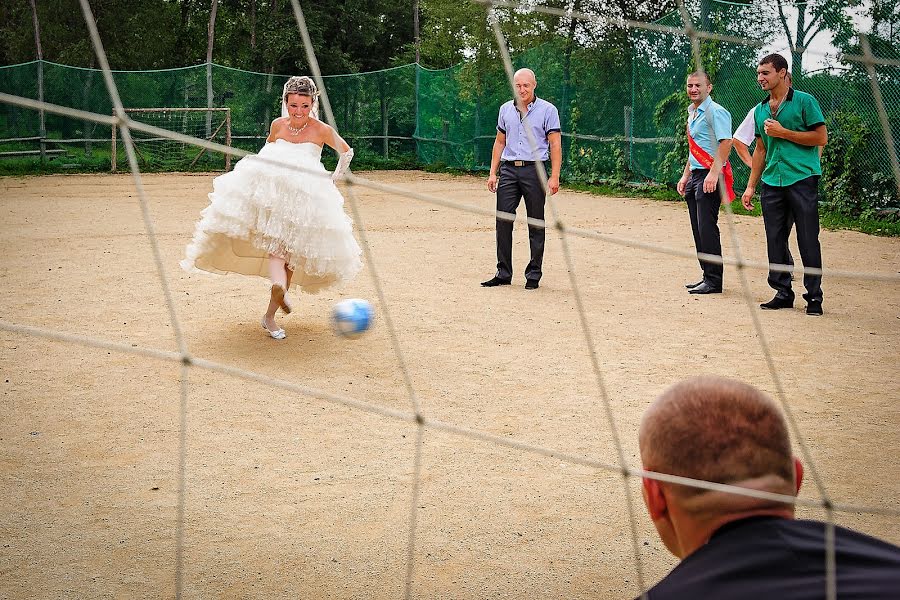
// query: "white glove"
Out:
[343,164]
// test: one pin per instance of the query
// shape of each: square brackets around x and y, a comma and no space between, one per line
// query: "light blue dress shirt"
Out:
[543,119]
[699,120]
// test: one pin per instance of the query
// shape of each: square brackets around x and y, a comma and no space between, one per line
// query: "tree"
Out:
[813,18]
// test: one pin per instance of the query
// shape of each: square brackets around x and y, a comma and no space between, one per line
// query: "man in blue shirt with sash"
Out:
[528,131]
[709,142]
[789,127]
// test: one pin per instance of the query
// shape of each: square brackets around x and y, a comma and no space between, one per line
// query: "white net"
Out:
[161,153]
[414,448]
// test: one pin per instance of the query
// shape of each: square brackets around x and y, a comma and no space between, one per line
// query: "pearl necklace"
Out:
[296,131]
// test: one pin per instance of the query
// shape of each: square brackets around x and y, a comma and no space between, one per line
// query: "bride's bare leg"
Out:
[278,273]
[285,304]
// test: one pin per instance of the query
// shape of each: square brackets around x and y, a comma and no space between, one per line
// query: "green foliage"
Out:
[850,185]
[620,92]
[597,162]
[670,118]
[812,18]
[887,226]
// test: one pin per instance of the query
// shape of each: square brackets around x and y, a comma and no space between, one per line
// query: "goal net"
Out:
[155,153]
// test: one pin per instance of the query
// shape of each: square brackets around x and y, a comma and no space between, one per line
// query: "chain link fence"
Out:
[622,114]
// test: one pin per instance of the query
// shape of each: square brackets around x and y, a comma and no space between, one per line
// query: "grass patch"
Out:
[872,226]
[652,191]
[99,163]
[888,227]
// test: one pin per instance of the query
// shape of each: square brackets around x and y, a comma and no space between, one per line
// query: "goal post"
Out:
[157,153]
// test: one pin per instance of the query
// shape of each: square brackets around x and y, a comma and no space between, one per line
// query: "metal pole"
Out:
[113,145]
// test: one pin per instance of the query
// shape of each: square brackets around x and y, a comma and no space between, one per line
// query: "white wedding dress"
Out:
[260,208]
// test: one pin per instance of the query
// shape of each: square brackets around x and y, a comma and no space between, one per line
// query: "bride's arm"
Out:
[334,140]
[275,126]
[345,152]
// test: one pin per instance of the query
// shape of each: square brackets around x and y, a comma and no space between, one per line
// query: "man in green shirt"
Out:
[789,127]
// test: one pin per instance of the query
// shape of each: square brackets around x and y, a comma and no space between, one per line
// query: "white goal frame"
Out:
[226,123]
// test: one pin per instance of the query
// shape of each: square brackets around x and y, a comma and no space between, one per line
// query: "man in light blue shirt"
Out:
[528,131]
[709,142]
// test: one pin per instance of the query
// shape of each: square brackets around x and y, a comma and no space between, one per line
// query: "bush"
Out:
[853,184]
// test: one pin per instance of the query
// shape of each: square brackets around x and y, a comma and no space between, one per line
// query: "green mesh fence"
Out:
[375,111]
[622,115]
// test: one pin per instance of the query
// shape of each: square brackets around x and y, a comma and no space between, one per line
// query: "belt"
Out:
[520,163]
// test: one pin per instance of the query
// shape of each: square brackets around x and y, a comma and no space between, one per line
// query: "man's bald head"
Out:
[526,74]
[524,81]
[719,430]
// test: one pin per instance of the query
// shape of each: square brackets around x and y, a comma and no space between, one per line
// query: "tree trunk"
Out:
[384,118]
[799,47]
[476,153]
[42,125]
[416,28]
[209,49]
[268,114]
[253,25]
[567,67]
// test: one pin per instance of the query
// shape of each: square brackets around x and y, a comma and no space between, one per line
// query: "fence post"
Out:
[629,138]
[113,145]
[384,117]
[227,138]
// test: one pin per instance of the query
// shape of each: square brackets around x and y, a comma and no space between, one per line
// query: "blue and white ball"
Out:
[351,318]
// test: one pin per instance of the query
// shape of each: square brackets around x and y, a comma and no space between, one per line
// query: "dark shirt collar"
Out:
[788,97]
[530,104]
[732,525]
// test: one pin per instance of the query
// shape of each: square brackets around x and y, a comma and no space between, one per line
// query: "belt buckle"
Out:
[518,163]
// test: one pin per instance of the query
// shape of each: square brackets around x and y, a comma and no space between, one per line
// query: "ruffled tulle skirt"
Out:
[260,209]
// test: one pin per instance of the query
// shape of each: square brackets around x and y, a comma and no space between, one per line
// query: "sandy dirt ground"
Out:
[292,496]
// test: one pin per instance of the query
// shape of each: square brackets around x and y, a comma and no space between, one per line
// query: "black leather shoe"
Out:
[705,288]
[691,286]
[531,284]
[495,281]
[778,302]
[814,308]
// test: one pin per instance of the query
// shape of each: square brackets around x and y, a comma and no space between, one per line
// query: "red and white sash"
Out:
[703,157]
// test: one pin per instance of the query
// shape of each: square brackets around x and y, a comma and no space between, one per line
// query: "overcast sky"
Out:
[821,52]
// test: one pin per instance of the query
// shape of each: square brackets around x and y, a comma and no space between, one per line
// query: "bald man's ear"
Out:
[798,474]
[654,498]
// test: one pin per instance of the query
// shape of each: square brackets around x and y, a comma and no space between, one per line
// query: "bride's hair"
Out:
[303,86]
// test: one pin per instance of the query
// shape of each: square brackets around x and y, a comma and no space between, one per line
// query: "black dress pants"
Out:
[704,211]
[780,205]
[514,184]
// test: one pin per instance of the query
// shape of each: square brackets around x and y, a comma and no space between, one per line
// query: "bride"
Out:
[271,220]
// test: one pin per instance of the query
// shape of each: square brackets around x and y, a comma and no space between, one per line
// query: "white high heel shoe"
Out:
[279,294]
[278,334]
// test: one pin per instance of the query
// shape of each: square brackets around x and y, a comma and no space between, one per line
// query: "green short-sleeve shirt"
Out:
[788,162]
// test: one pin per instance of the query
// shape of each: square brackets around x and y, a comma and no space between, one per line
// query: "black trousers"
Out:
[704,211]
[799,203]
[514,184]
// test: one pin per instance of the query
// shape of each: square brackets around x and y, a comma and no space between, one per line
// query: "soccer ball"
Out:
[351,318]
